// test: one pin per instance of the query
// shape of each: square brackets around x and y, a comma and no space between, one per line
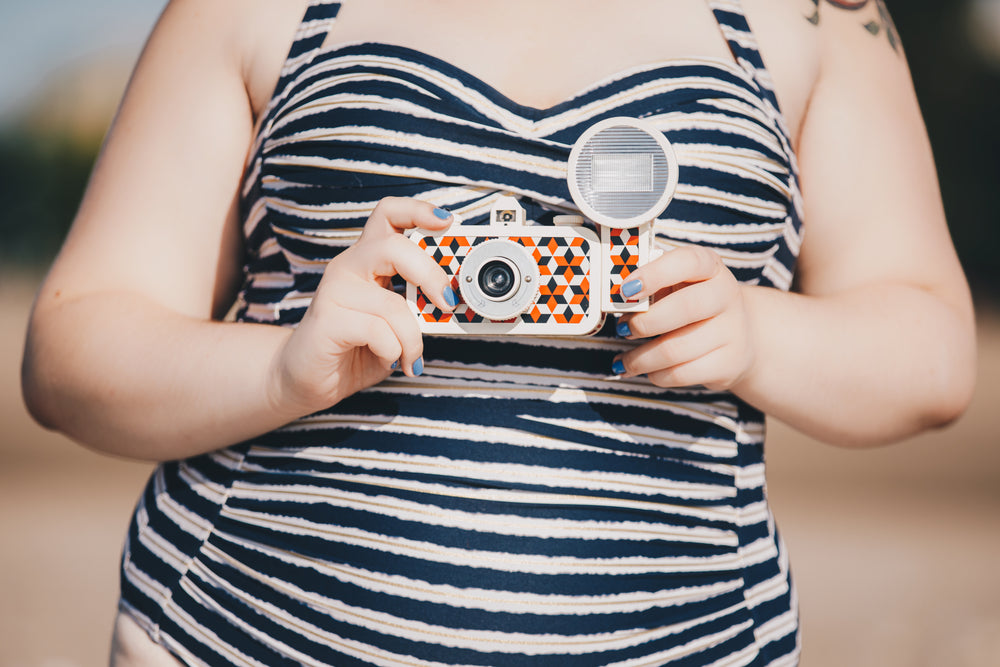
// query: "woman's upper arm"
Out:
[159,217]
[873,211]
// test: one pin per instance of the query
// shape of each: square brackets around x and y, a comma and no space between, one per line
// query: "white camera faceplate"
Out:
[567,300]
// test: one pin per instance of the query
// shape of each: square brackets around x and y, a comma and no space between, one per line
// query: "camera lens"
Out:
[497,279]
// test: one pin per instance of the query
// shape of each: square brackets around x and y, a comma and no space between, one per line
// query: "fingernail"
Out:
[395,365]
[623,329]
[418,366]
[441,213]
[631,288]
[450,297]
[618,367]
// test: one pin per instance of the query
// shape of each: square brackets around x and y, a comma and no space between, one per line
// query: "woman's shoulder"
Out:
[267,29]
[262,32]
[790,47]
[800,39]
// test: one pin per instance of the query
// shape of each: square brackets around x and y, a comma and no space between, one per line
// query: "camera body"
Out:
[516,278]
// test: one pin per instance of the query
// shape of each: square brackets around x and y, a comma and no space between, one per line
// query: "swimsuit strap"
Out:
[308,40]
[743,45]
[310,36]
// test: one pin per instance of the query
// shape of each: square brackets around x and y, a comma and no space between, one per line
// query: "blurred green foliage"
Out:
[42,176]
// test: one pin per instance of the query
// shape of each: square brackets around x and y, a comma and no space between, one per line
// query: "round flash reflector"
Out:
[622,172]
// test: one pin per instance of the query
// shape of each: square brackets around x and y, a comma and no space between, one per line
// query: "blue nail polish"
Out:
[618,367]
[395,365]
[441,213]
[631,288]
[418,366]
[450,297]
[623,329]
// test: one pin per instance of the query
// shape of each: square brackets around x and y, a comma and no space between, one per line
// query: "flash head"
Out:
[622,172]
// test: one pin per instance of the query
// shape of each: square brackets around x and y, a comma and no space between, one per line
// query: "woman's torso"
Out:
[516,504]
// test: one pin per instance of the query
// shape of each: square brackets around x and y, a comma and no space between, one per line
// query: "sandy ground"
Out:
[895,551]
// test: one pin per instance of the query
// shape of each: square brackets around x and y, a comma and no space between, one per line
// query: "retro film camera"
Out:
[515,278]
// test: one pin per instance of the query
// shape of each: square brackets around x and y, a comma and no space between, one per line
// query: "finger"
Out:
[400,256]
[393,215]
[692,303]
[361,329]
[679,347]
[370,299]
[710,371]
[687,264]
[377,260]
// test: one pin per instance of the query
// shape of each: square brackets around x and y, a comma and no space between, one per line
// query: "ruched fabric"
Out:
[516,504]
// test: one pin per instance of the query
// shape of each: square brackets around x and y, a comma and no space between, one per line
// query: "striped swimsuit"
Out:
[516,504]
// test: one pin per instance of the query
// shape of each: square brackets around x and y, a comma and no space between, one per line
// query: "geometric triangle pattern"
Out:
[624,256]
[564,295]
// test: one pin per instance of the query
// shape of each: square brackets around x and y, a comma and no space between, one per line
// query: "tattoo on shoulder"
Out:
[881,24]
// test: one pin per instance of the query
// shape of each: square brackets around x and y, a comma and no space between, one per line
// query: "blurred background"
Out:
[895,551]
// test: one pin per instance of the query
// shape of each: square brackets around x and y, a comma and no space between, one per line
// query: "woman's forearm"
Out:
[126,376]
[862,367]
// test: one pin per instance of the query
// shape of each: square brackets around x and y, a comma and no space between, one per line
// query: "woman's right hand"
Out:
[357,329]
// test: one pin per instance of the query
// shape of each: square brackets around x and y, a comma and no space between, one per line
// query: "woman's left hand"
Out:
[698,324]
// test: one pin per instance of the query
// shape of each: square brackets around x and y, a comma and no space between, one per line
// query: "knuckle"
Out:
[665,354]
[663,378]
[637,325]
[708,262]
[387,202]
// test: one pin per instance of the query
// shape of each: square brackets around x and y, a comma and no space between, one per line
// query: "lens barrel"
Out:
[498,280]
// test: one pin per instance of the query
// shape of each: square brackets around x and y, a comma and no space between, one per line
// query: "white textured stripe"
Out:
[724,513]
[186,520]
[745,39]
[752,109]
[778,274]
[496,524]
[149,586]
[646,435]
[477,640]
[792,237]
[758,551]
[778,627]
[203,634]
[754,514]
[273,280]
[767,590]
[349,647]
[452,149]
[440,428]
[750,476]
[733,6]
[742,657]
[363,166]
[211,491]
[489,560]
[510,121]
[430,386]
[164,551]
[716,122]
[499,601]
[743,203]
[515,473]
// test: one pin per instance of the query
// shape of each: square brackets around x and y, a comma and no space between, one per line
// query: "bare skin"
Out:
[126,352]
